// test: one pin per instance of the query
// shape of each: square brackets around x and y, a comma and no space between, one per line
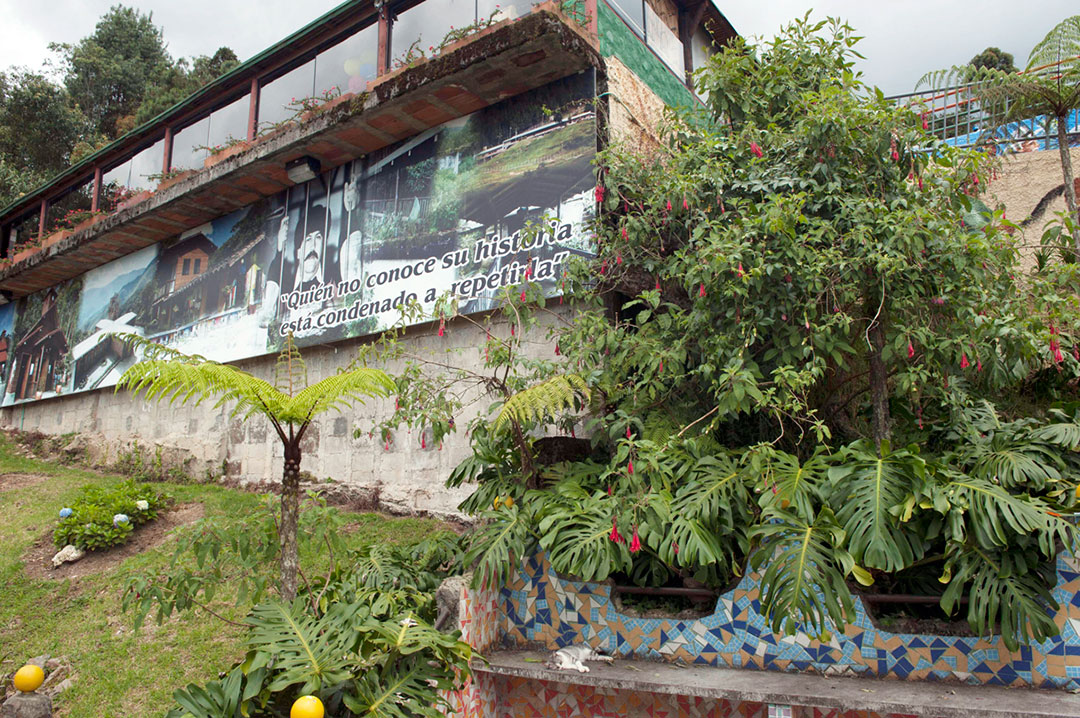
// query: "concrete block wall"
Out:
[408,478]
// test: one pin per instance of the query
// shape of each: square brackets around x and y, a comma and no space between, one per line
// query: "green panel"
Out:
[619,40]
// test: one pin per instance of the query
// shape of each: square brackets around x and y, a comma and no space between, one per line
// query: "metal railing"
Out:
[956,115]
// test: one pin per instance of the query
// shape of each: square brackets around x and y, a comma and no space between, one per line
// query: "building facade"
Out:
[388,152]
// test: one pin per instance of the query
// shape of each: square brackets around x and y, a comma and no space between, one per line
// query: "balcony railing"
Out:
[956,116]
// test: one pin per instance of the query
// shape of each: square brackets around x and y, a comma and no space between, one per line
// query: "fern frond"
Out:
[543,400]
[290,371]
[1060,44]
[336,392]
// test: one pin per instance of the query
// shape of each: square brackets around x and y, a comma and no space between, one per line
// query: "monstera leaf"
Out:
[866,488]
[804,581]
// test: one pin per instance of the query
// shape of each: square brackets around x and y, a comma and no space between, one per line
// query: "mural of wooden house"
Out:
[178,266]
[40,354]
[101,352]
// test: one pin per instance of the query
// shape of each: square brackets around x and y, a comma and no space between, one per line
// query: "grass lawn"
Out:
[116,671]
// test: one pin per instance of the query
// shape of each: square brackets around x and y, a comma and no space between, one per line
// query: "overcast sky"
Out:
[903,38]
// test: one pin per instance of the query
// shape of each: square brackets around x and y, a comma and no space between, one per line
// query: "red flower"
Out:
[557,353]
[603,267]
[925,124]
[910,350]
[618,259]
[667,207]
[624,233]
[685,204]
[978,365]
[635,542]
[630,467]
[512,325]
[599,193]
[740,271]
[920,182]
[675,546]
[423,441]
[755,149]
[523,295]
[615,536]
[661,366]
[701,290]
[628,431]
[442,324]
[658,284]
[964,363]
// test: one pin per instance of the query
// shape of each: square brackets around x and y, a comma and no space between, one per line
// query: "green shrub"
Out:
[90,525]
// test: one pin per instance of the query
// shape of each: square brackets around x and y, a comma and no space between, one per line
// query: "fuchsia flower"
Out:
[685,204]
[701,290]
[523,295]
[423,441]
[628,431]
[910,350]
[557,352]
[739,271]
[658,284]
[978,365]
[603,267]
[442,325]
[964,363]
[512,326]
[624,233]
[675,546]
[618,259]
[661,367]
[925,124]
[615,536]
[667,207]
[635,542]
[755,149]
[630,467]
[599,193]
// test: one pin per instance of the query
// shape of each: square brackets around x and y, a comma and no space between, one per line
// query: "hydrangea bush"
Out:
[104,516]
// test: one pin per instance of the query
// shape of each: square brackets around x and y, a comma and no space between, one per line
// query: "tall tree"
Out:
[995,58]
[183,78]
[109,72]
[38,129]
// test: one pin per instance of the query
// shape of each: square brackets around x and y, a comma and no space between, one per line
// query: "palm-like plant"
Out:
[289,404]
[1050,85]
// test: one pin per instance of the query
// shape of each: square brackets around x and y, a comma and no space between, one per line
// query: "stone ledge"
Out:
[928,700]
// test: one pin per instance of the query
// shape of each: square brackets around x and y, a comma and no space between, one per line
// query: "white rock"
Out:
[67,554]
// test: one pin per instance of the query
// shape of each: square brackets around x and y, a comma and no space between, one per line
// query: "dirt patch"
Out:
[38,558]
[10,482]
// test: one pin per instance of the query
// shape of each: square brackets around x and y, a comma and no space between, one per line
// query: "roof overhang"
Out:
[504,60]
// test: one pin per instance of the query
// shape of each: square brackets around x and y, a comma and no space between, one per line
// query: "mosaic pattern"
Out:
[538,607]
[478,619]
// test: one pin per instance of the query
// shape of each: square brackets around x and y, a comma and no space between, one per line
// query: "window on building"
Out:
[633,11]
[186,268]
[229,123]
[350,64]
[197,263]
[278,97]
[189,145]
[426,24]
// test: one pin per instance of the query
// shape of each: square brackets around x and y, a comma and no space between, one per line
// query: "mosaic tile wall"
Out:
[538,607]
[521,698]
[478,619]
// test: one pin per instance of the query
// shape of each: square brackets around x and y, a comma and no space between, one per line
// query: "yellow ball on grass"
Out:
[29,678]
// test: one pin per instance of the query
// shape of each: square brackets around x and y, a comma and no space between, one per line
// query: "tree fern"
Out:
[545,399]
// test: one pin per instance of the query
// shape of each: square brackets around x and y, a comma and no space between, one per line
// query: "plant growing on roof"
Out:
[289,404]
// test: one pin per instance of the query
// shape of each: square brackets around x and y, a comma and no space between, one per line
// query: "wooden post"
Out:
[95,198]
[253,110]
[383,61]
[41,218]
[166,159]
[591,16]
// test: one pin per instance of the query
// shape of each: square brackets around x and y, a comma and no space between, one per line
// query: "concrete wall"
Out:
[1024,180]
[408,478]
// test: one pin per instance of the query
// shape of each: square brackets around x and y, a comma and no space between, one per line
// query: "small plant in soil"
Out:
[105,516]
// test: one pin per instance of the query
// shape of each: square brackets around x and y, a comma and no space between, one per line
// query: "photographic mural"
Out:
[464,208]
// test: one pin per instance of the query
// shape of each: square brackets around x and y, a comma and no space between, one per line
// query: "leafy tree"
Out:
[38,129]
[109,73]
[788,345]
[994,57]
[1050,86]
[290,404]
[182,79]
